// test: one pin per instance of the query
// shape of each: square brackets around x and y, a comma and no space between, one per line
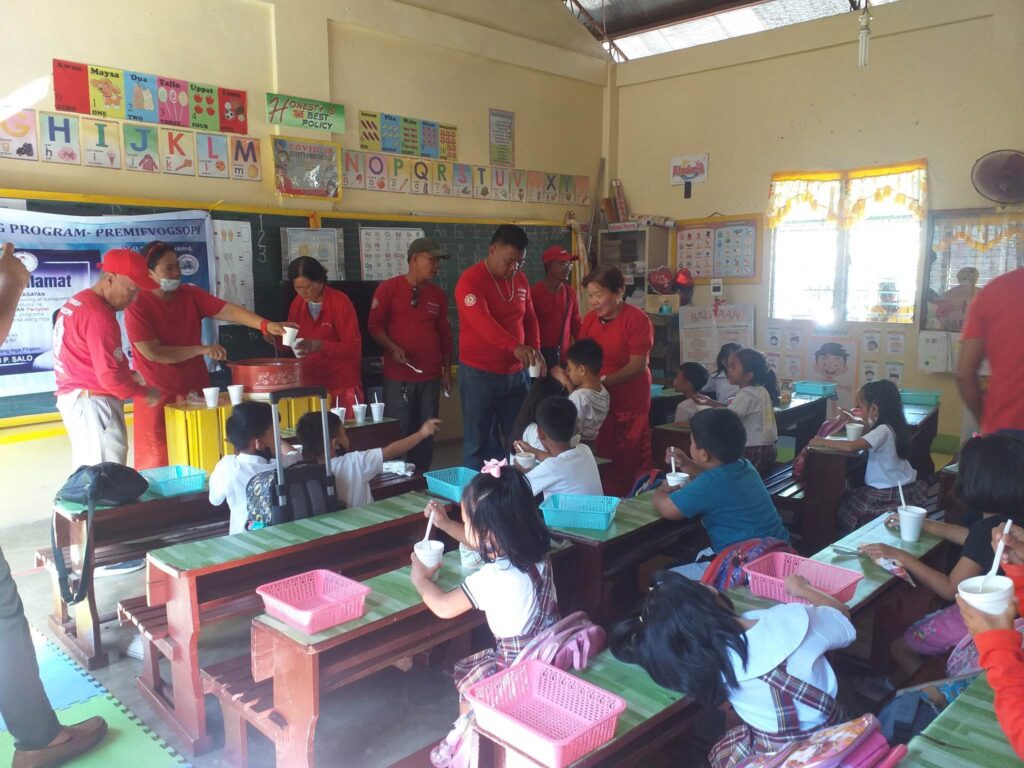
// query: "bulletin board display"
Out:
[726,248]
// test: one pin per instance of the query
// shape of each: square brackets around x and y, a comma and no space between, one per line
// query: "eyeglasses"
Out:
[415,301]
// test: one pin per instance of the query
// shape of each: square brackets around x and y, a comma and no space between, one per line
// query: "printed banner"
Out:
[296,112]
[502,137]
[245,159]
[703,330]
[141,97]
[688,168]
[70,86]
[178,152]
[212,155]
[307,168]
[106,92]
[172,102]
[204,108]
[140,148]
[61,254]
[101,143]
[58,137]
[18,136]
[234,110]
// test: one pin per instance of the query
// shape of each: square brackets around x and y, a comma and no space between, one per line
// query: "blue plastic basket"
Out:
[570,510]
[920,397]
[175,480]
[815,388]
[657,389]
[449,483]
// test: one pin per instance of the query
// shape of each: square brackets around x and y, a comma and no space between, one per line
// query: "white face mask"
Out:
[168,285]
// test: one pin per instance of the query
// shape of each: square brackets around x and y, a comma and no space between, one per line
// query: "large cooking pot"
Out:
[265,374]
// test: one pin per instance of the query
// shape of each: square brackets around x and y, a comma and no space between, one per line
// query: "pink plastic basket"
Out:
[547,714]
[315,600]
[768,577]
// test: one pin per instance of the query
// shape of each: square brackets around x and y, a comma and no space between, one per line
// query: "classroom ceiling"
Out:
[627,17]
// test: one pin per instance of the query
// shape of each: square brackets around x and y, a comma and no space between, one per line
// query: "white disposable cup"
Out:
[526,460]
[377,411]
[359,413]
[535,371]
[429,552]
[235,392]
[911,522]
[289,335]
[677,479]
[994,599]
[854,431]
[340,413]
[212,395]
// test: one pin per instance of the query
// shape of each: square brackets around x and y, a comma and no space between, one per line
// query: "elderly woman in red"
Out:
[165,330]
[332,347]
[626,336]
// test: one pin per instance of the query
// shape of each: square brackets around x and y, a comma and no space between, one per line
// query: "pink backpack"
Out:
[854,744]
[568,643]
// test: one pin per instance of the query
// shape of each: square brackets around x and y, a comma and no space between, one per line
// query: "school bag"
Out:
[568,643]
[302,490]
[646,482]
[829,427]
[726,570]
[107,484]
[857,743]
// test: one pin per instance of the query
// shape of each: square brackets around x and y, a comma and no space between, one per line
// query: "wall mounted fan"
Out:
[999,176]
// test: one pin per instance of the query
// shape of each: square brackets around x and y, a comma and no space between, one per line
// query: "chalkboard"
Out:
[465,244]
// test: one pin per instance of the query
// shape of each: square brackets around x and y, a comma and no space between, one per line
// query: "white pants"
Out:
[96,427]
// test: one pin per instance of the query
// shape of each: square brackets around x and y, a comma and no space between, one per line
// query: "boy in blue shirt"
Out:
[724,489]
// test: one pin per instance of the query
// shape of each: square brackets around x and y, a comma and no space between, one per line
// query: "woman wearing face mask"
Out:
[165,329]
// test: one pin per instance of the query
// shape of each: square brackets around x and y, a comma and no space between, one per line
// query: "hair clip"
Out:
[493,467]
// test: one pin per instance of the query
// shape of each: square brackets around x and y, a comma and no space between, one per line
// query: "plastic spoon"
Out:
[414,368]
[430,522]
[672,458]
[998,558]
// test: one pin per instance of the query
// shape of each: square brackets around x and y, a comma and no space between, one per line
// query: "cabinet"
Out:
[637,252]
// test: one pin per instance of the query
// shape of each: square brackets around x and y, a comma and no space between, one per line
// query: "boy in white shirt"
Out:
[690,379]
[582,377]
[250,429]
[563,469]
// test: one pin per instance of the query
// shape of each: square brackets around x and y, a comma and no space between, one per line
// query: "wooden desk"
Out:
[966,734]
[216,578]
[663,407]
[121,533]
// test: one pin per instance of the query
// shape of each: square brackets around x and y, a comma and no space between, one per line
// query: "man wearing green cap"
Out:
[409,319]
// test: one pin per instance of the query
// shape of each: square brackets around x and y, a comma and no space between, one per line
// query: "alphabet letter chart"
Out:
[382,251]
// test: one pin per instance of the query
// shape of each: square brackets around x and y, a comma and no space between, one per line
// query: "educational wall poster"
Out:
[140,97]
[834,359]
[869,371]
[233,111]
[442,180]
[383,251]
[353,169]
[141,152]
[177,152]
[774,361]
[390,133]
[106,92]
[688,168]
[792,367]
[232,256]
[550,187]
[58,139]
[70,86]
[212,155]
[566,189]
[369,131]
[870,342]
[311,114]
[933,352]
[704,329]
[420,174]
[398,174]
[894,373]
[582,186]
[773,339]
[517,185]
[101,143]
[61,254]
[410,136]
[501,133]
[534,187]
[895,342]
[481,181]
[448,142]
[376,173]
[307,168]
[172,102]
[429,139]
[245,159]
[462,180]
[721,247]
[499,183]
[204,108]
[18,136]
[326,245]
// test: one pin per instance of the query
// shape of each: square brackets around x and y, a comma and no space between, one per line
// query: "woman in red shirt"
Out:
[332,347]
[165,330]
[626,336]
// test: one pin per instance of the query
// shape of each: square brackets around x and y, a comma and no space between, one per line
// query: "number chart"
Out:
[721,247]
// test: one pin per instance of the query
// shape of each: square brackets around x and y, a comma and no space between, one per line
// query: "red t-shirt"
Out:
[994,316]
[556,328]
[173,323]
[493,321]
[337,365]
[422,331]
[87,350]
[630,333]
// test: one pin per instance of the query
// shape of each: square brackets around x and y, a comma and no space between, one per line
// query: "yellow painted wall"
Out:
[945,82]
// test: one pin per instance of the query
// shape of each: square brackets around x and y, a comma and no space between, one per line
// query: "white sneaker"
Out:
[135,648]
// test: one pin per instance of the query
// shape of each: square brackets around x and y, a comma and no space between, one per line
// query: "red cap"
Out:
[125,261]
[558,253]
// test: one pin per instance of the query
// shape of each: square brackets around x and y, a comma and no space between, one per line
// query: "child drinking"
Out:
[770,664]
[514,588]
[719,387]
[887,442]
[563,468]
[690,379]
[754,403]
[353,470]
[525,426]
[582,378]
[250,429]
[990,481]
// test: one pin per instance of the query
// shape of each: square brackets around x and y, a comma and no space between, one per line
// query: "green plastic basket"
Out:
[570,510]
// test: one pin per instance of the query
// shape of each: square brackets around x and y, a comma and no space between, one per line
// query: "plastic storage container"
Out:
[315,600]
[815,388]
[175,480]
[579,511]
[449,483]
[920,397]
[657,389]
[768,577]
[547,714]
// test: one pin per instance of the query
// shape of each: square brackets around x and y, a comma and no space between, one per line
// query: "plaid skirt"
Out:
[761,456]
[862,505]
[743,741]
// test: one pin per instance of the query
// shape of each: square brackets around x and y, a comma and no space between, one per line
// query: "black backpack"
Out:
[106,485]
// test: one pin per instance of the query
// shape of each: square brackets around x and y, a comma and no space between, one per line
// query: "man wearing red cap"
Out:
[93,376]
[558,310]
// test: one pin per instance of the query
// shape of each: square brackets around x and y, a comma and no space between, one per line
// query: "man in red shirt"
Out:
[409,319]
[556,306]
[498,340]
[993,332]
[93,376]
